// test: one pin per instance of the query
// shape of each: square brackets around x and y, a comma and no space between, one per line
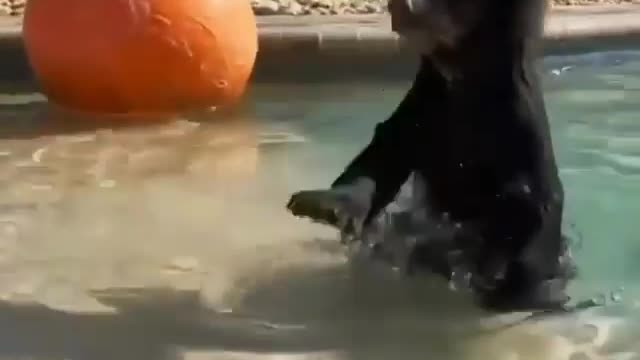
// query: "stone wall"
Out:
[319,7]
[307,7]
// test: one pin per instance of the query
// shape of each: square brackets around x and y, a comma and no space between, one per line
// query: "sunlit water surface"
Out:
[171,241]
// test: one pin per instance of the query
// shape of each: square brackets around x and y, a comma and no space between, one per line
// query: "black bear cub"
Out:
[473,131]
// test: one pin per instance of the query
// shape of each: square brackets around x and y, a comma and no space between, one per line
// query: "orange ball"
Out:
[141,56]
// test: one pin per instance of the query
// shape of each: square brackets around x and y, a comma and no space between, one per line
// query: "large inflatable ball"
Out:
[141,56]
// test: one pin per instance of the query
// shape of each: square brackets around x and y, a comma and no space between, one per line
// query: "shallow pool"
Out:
[171,241]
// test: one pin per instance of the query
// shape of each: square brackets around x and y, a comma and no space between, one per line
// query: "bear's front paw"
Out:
[333,207]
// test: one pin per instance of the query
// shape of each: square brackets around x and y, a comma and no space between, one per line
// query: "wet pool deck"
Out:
[340,45]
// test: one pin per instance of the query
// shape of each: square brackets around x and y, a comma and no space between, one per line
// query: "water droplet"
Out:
[159,19]
[37,155]
[558,72]
[599,300]
[616,295]
[460,279]
[221,84]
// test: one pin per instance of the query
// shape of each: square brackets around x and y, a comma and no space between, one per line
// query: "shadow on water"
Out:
[154,324]
[34,117]
[308,314]
[38,118]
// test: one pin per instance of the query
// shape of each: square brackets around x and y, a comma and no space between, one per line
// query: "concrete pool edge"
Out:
[362,47]
[565,29]
[322,48]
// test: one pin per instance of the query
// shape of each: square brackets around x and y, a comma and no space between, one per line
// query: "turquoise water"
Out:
[595,115]
[171,241]
[593,103]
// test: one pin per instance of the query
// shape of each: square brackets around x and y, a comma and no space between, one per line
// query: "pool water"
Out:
[171,241]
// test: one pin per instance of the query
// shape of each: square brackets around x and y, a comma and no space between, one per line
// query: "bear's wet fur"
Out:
[474,133]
